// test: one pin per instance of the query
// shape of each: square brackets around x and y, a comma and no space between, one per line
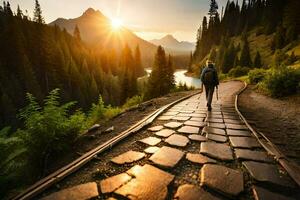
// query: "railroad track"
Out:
[65,171]
[57,176]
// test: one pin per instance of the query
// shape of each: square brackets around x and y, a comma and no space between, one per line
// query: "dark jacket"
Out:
[215,77]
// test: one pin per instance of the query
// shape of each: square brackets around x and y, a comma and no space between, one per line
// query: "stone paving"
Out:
[193,154]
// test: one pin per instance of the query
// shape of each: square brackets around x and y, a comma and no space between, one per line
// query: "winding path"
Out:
[186,153]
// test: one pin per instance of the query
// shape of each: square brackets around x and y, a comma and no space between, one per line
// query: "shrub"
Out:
[100,112]
[256,75]
[279,58]
[222,76]
[12,160]
[182,87]
[238,71]
[282,82]
[133,101]
[49,130]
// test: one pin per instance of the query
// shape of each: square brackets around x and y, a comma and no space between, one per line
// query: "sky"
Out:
[149,19]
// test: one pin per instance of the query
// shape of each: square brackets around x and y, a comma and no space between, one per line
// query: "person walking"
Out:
[209,78]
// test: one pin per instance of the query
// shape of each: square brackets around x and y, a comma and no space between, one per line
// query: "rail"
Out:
[60,174]
[292,169]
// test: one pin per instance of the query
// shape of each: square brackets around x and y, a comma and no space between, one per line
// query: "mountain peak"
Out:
[170,42]
[169,38]
[91,11]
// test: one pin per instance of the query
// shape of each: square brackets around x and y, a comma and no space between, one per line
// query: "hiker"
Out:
[209,78]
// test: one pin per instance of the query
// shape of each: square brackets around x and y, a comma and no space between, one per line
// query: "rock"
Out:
[231,121]
[167,157]
[109,130]
[178,118]
[155,128]
[244,142]
[197,119]
[216,125]
[133,171]
[217,131]
[94,128]
[244,154]
[236,126]
[215,116]
[173,125]
[198,115]
[189,130]
[269,173]
[152,141]
[149,183]
[186,111]
[177,140]
[151,150]
[216,138]
[231,116]
[242,133]
[198,158]
[260,193]
[214,120]
[184,115]
[165,132]
[165,118]
[128,157]
[170,113]
[112,183]
[198,138]
[192,192]
[79,192]
[195,123]
[215,150]
[222,179]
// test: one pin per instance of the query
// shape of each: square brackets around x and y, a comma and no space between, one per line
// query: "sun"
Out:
[116,23]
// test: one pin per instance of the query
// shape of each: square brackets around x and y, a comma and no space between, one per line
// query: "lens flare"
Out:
[116,23]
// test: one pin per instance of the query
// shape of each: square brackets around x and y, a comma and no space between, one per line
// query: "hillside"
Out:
[249,35]
[96,30]
[173,44]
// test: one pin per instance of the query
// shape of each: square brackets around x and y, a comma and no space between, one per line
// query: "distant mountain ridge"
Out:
[173,44]
[95,29]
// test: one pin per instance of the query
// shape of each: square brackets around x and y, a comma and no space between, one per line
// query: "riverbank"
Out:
[278,119]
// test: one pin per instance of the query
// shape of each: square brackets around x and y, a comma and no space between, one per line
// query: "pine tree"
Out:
[138,62]
[7,9]
[190,63]
[229,58]
[37,14]
[128,79]
[170,79]
[279,38]
[257,60]
[213,55]
[158,81]
[76,33]
[213,9]
[19,12]
[245,59]
[291,19]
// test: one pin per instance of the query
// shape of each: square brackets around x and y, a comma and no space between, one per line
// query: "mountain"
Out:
[95,29]
[173,44]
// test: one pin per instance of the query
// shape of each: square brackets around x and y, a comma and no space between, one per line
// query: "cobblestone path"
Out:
[191,154]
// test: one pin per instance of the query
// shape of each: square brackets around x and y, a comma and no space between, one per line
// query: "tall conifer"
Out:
[37,14]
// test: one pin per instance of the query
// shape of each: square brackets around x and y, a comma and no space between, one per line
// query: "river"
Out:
[181,77]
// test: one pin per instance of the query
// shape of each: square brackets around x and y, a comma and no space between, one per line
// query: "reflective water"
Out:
[181,77]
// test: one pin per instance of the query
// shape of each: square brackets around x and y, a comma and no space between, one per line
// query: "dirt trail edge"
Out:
[278,119]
